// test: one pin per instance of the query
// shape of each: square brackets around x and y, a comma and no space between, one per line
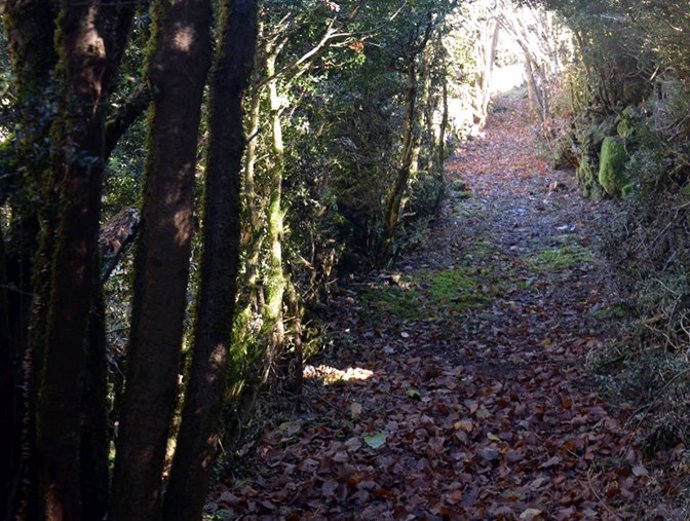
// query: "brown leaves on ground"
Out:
[482,412]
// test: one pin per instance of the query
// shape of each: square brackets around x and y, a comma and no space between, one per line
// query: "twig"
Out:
[601,500]
[647,408]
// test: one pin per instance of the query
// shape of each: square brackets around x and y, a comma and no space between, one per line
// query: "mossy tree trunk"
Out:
[275,281]
[415,47]
[77,175]
[29,27]
[178,67]
[397,192]
[55,200]
[443,128]
[198,437]
[254,236]
[115,25]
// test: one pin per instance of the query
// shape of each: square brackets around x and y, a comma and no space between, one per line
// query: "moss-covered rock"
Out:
[612,162]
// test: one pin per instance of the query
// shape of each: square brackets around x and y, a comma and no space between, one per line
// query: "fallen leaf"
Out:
[551,462]
[530,514]
[414,394]
[464,425]
[355,410]
[376,441]
[640,470]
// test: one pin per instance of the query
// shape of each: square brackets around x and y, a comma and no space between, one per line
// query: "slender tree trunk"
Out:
[275,276]
[395,196]
[487,61]
[532,87]
[444,123]
[297,369]
[115,25]
[178,71]
[95,442]
[198,437]
[254,234]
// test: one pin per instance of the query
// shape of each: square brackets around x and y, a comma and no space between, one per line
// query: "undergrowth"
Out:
[648,243]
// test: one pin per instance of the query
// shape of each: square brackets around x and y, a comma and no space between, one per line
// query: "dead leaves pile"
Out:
[421,439]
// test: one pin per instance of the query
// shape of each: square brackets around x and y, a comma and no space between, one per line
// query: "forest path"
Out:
[455,388]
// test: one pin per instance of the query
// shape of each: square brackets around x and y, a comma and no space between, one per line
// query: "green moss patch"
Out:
[559,258]
[427,293]
[612,175]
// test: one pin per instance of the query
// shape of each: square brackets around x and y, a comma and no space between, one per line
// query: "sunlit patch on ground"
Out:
[330,375]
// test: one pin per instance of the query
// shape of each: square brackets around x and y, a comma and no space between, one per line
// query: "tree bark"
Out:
[78,173]
[178,71]
[275,281]
[198,437]
[444,124]
[29,27]
[397,192]
[486,58]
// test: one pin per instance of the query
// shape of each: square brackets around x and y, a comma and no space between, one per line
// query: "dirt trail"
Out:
[456,387]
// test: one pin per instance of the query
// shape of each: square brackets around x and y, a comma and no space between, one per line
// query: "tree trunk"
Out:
[178,71]
[296,373]
[9,420]
[29,29]
[78,174]
[444,124]
[198,437]
[395,196]
[486,60]
[95,442]
[254,235]
[115,25]
[275,281]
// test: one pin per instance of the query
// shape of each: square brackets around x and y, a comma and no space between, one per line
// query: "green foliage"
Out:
[124,172]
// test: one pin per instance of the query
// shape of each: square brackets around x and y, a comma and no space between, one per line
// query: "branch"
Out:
[333,32]
[127,114]
[114,239]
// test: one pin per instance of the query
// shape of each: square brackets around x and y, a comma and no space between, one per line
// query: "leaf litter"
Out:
[479,412]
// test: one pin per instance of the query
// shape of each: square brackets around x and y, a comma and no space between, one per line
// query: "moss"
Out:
[584,176]
[624,129]
[612,176]
[628,190]
[458,185]
[427,294]
[566,239]
[462,210]
[556,259]
[457,288]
